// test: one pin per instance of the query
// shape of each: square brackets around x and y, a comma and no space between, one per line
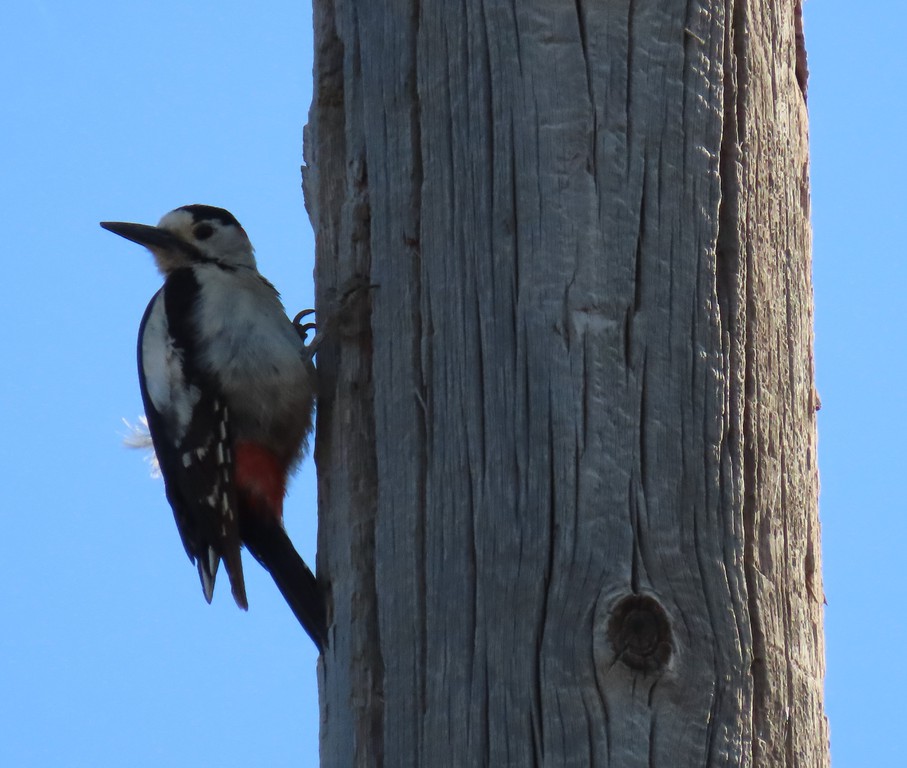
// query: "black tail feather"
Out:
[270,545]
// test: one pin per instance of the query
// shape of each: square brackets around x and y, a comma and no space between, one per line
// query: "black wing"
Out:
[190,429]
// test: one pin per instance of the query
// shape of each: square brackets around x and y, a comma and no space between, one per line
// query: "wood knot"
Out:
[640,633]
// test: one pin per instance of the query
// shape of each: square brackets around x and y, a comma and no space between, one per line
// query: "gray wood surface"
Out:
[566,442]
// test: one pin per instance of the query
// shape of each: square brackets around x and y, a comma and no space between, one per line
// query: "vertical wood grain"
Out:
[566,447]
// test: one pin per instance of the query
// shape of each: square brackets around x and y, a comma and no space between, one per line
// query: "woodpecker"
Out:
[228,385]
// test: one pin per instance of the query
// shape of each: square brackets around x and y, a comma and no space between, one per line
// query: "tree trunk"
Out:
[566,443]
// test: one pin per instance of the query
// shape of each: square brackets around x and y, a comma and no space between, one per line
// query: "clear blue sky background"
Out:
[108,654]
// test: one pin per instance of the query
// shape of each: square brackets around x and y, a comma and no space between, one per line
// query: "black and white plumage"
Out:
[228,387]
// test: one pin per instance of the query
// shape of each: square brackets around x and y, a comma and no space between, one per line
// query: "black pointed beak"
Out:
[150,237]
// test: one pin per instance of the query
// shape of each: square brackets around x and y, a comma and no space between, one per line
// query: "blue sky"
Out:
[108,654]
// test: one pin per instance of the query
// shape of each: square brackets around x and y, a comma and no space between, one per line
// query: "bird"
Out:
[228,384]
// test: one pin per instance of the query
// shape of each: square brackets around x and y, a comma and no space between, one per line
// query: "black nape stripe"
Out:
[208,212]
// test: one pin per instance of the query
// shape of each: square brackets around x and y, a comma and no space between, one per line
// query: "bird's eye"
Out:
[203,231]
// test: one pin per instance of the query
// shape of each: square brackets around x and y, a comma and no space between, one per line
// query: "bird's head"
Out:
[193,234]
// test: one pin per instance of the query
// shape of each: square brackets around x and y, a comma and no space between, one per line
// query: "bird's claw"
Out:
[303,328]
[305,313]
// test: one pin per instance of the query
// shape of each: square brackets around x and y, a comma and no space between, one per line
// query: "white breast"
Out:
[256,354]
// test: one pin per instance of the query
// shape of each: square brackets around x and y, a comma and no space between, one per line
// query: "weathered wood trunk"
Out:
[566,446]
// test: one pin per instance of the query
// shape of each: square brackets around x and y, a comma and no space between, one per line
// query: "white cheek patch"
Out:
[164,377]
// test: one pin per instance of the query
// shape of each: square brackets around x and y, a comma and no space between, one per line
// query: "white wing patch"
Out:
[164,377]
